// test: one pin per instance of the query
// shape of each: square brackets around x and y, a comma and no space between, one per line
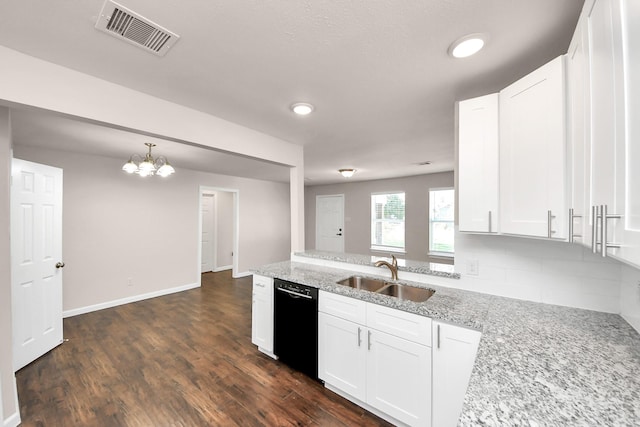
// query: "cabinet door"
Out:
[262,314]
[630,250]
[532,154]
[579,143]
[478,164]
[342,354]
[454,353]
[399,378]
[607,113]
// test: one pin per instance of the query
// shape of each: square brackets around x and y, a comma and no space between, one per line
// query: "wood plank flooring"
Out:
[184,359]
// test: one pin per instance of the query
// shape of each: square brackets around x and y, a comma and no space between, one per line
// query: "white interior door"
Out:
[36,260]
[208,233]
[330,223]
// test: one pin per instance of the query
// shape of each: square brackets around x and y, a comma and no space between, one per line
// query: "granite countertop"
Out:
[537,364]
[420,267]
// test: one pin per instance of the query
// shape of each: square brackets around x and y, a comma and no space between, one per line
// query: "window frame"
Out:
[373,220]
[431,252]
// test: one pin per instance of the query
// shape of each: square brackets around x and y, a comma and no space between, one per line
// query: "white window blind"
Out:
[441,216]
[387,221]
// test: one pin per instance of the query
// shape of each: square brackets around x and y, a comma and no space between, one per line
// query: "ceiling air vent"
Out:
[127,25]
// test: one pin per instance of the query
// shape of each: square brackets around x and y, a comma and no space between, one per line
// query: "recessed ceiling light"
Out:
[302,108]
[347,173]
[467,45]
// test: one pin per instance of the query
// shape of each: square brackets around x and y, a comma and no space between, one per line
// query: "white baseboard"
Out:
[223,268]
[243,274]
[12,421]
[127,300]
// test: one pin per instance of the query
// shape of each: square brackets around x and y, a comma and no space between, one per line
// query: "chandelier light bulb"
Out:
[147,165]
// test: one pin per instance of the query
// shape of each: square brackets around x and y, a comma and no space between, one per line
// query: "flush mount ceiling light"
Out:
[147,165]
[302,108]
[347,173]
[467,45]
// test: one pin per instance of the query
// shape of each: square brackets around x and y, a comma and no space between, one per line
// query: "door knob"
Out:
[59,264]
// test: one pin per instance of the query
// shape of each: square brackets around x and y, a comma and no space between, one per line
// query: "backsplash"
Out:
[540,270]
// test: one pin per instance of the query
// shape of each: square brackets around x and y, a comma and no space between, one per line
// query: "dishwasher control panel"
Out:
[297,288]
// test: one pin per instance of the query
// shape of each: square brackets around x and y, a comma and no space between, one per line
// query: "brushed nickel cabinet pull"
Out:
[572,217]
[489,221]
[594,229]
[550,217]
[604,217]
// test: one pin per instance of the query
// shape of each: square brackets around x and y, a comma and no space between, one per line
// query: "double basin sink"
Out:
[382,287]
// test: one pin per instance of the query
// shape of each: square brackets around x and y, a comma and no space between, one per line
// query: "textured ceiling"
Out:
[377,72]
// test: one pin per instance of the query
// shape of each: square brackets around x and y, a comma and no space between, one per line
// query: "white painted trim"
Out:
[12,421]
[214,253]
[223,268]
[236,228]
[127,300]
[243,274]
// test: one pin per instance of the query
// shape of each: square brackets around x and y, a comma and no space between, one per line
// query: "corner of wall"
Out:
[630,296]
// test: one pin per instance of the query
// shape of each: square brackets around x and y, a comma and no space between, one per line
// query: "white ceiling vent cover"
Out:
[127,25]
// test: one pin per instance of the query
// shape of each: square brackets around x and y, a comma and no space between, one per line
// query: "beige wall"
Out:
[117,226]
[29,81]
[357,200]
[7,381]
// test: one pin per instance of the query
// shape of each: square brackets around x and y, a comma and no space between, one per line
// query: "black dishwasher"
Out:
[296,326]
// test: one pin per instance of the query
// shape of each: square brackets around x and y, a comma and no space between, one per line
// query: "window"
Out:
[441,211]
[387,221]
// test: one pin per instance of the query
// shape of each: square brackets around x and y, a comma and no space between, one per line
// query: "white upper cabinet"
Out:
[607,123]
[630,209]
[478,164]
[579,138]
[533,172]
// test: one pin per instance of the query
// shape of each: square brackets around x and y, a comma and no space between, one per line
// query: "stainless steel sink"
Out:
[363,283]
[406,292]
[382,287]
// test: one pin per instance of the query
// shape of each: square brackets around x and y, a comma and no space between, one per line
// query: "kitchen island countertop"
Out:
[537,364]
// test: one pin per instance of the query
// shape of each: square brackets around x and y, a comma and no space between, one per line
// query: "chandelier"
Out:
[148,165]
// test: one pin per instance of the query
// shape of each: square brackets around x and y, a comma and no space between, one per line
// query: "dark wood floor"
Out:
[179,360]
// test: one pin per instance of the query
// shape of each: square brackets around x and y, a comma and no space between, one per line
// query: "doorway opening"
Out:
[218,230]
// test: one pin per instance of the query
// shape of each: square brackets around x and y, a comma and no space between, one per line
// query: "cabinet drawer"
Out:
[262,284]
[343,307]
[405,325]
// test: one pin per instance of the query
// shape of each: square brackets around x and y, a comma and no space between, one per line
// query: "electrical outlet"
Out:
[473,267]
[129,281]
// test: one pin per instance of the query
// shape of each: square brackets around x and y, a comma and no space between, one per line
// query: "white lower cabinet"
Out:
[391,374]
[454,353]
[262,314]
[342,355]
[399,378]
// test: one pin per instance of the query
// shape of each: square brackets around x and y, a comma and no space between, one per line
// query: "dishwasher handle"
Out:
[295,294]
